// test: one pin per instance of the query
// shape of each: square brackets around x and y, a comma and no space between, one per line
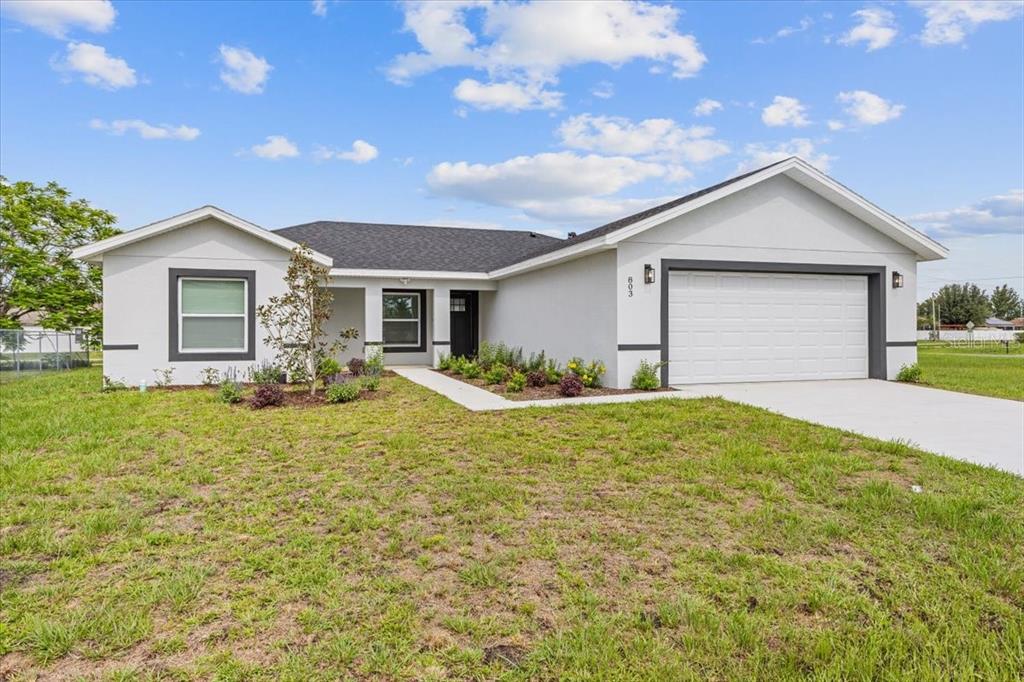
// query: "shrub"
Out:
[497,374]
[910,374]
[535,363]
[334,379]
[516,382]
[230,391]
[265,373]
[210,376]
[357,366]
[570,385]
[444,362]
[498,354]
[458,364]
[552,372]
[537,378]
[646,376]
[374,366]
[342,392]
[471,370]
[590,374]
[328,366]
[267,395]
[371,383]
[163,376]
[1019,336]
[111,384]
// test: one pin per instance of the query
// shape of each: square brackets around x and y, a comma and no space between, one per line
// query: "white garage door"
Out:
[744,326]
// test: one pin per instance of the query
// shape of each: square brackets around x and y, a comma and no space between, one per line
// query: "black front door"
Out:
[464,323]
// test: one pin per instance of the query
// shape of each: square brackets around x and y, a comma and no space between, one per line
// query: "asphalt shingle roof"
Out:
[426,247]
[418,247]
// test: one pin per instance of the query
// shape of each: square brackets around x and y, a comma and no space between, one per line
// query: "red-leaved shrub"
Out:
[570,386]
[537,379]
[267,395]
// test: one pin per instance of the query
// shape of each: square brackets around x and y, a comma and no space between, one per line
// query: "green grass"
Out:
[167,536]
[981,369]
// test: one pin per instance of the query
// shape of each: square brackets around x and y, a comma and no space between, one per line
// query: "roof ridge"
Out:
[419,225]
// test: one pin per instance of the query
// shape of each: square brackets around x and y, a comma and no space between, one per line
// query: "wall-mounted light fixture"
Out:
[648,273]
[897,280]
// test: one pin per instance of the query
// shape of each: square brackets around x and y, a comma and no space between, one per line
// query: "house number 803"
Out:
[629,287]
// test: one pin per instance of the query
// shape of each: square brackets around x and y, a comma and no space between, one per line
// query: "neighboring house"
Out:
[1017,322]
[997,323]
[778,274]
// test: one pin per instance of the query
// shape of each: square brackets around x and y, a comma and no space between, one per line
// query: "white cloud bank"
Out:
[758,155]
[94,66]
[999,214]
[506,96]
[145,130]
[867,108]
[276,147]
[949,23]
[361,152]
[57,17]
[653,138]
[785,111]
[877,29]
[243,71]
[528,44]
[706,107]
[320,8]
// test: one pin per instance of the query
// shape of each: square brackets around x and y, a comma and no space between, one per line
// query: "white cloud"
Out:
[1000,214]
[57,17]
[761,154]
[603,90]
[706,107]
[548,186]
[96,67]
[145,130]
[361,152]
[320,8]
[785,111]
[276,147]
[243,71]
[532,42]
[835,125]
[867,108]
[652,138]
[877,28]
[948,23]
[786,31]
[506,96]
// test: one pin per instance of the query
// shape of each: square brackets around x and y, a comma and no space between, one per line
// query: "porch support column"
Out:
[442,323]
[373,324]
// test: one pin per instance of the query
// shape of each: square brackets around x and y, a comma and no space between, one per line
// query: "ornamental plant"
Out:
[516,382]
[342,392]
[444,362]
[471,370]
[910,374]
[370,382]
[230,391]
[357,366]
[267,395]
[552,372]
[296,321]
[570,385]
[497,374]
[646,378]
[537,379]
[589,373]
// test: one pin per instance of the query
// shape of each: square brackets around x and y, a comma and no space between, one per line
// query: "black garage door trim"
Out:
[876,298]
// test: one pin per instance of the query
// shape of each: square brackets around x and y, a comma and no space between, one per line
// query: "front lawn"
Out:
[981,369]
[166,535]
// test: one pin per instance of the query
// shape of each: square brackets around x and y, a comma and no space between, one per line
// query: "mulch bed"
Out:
[295,395]
[548,392]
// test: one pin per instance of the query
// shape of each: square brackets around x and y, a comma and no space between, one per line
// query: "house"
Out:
[997,323]
[781,273]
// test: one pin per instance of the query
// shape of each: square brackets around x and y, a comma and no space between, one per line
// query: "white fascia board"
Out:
[94,252]
[409,274]
[553,258]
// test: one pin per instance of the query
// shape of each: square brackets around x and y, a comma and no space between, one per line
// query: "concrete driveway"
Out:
[986,431]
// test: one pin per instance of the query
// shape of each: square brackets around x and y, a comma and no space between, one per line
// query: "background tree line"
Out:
[963,303]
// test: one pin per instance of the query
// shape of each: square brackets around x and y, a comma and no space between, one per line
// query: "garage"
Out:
[735,326]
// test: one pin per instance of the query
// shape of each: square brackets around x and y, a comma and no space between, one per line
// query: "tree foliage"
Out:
[39,227]
[1006,303]
[296,321]
[958,304]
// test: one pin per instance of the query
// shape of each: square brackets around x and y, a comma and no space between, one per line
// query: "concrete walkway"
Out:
[479,400]
[986,431]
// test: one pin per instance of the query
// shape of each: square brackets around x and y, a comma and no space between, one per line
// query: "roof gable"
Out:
[94,252]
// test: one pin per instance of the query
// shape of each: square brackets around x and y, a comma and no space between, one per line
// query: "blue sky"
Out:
[554,117]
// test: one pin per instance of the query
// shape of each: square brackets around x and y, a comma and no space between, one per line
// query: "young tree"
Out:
[1006,303]
[959,304]
[296,321]
[39,227]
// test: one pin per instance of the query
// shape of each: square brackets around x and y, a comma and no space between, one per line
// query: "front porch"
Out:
[412,322]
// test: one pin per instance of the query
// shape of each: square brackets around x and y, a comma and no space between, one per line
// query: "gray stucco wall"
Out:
[564,310]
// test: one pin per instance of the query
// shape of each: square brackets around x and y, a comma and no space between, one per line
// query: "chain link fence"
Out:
[28,350]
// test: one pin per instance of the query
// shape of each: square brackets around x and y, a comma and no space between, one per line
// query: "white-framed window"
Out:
[403,318]
[212,315]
